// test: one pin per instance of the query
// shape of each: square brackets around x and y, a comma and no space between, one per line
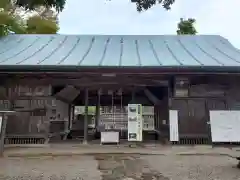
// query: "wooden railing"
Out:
[24,139]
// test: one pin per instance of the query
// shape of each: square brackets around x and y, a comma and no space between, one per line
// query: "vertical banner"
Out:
[140,122]
[1,124]
[135,124]
[173,123]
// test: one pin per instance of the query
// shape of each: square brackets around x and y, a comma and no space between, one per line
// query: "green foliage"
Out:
[59,4]
[32,4]
[4,3]
[11,22]
[81,110]
[186,26]
[91,109]
[143,5]
[39,25]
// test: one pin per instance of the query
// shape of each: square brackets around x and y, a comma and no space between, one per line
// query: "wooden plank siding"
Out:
[42,115]
[38,114]
[194,108]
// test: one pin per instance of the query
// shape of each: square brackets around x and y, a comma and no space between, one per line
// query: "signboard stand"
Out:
[135,124]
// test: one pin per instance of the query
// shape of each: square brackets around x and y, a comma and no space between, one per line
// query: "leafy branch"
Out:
[28,19]
[186,26]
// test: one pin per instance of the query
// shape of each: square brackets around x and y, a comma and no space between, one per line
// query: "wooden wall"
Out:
[194,108]
[40,114]
[37,111]
[162,120]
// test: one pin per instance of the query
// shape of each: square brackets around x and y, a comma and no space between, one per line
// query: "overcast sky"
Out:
[219,17]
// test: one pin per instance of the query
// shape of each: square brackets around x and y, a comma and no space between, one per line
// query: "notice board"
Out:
[225,126]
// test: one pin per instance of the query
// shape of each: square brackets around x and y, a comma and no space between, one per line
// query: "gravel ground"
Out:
[60,168]
[120,167]
[195,167]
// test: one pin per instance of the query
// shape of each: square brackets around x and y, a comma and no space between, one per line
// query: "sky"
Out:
[218,17]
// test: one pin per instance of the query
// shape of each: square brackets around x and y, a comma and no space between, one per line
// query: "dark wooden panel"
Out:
[18,124]
[197,117]
[192,117]
[207,90]
[216,104]
[57,127]
[183,115]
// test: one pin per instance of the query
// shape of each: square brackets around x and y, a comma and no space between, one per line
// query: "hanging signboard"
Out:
[173,121]
[135,124]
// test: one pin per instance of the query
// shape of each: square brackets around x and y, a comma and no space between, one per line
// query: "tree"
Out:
[143,5]
[21,20]
[59,4]
[186,26]
[32,4]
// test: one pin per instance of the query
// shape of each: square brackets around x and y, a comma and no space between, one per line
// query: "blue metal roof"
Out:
[118,50]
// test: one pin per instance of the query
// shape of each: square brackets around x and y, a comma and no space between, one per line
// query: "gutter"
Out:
[16,69]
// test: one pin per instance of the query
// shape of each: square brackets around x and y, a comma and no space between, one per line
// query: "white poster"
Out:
[0,124]
[225,126]
[173,123]
[135,124]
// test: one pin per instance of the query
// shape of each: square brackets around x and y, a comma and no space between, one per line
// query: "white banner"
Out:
[173,123]
[1,124]
[135,122]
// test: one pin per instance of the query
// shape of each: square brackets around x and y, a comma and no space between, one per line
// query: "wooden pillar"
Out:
[3,123]
[133,96]
[71,116]
[98,109]
[85,138]
[170,92]
[3,132]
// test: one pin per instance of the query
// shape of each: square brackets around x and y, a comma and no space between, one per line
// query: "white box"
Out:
[109,137]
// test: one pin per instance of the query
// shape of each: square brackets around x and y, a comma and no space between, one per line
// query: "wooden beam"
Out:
[67,94]
[152,97]
[65,100]
[84,82]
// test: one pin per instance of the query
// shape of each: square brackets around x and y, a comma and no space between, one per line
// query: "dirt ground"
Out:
[120,167]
